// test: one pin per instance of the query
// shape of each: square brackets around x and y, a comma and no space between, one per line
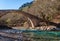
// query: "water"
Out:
[36,35]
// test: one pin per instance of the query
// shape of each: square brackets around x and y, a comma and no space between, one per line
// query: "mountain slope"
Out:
[46,9]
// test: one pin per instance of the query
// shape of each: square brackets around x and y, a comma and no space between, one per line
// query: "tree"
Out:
[25,5]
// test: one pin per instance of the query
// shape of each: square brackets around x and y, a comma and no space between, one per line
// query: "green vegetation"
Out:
[28,5]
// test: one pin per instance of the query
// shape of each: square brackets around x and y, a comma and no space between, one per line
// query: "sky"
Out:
[12,4]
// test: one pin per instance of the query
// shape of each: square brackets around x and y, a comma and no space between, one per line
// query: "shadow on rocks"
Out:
[4,27]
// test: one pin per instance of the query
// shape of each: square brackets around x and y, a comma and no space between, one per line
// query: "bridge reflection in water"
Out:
[29,35]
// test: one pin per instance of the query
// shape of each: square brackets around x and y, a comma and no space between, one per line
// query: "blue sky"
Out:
[12,4]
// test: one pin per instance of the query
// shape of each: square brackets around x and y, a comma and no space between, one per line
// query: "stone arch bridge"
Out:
[34,20]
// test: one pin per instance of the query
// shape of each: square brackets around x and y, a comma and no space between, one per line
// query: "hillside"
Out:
[45,9]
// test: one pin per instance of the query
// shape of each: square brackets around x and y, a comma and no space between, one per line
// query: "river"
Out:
[29,35]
